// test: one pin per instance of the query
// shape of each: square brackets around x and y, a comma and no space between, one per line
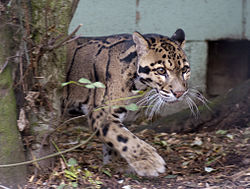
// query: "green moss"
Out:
[11,150]
[8,126]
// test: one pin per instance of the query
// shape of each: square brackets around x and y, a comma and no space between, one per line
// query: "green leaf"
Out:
[74,184]
[61,186]
[72,162]
[137,91]
[132,107]
[115,106]
[99,84]
[90,86]
[87,173]
[106,172]
[84,80]
[163,143]
[170,176]
[66,83]
[98,182]
[221,132]
[230,136]
[69,173]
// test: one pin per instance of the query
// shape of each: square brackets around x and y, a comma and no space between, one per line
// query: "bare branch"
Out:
[51,155]
[7,62]
[64,40]
[4,65]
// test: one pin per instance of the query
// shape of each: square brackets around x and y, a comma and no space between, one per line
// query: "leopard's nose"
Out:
[178,94]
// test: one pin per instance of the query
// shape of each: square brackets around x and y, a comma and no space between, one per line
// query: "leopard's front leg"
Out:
[142,157]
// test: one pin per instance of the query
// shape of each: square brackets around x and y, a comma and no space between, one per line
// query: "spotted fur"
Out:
[125,63]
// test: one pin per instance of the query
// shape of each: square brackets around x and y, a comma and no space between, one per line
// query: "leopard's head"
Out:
[163,66]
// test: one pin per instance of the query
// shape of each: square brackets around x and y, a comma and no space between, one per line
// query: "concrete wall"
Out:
[201,20]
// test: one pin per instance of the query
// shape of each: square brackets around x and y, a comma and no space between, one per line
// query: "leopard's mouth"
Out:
[169,98]
[166,98]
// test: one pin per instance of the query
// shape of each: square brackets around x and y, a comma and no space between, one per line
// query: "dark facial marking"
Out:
[105,129]
[145,69]
[152,40]
[116,116]
[144,81]
[125,148]
[110,144]
[110,152]
[116,121]
[169,61]
[98,133]
[120,138]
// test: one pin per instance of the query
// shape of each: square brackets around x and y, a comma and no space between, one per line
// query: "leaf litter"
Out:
[214,159]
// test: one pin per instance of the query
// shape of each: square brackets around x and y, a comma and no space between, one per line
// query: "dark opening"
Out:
[228,65]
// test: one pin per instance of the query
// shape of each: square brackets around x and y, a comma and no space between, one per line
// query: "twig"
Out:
[64,40]
[240,174]
[58,150]
[23,33]
[4,187]
[4,65]
[7,62]
[51,155]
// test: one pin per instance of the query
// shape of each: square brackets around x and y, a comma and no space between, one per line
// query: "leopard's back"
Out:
[110,60]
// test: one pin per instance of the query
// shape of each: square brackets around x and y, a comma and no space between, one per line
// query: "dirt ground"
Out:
[205,159]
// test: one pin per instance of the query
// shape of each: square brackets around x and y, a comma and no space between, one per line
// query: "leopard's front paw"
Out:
[148,162]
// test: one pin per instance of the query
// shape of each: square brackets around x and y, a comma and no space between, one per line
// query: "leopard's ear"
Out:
[179,37]
[141,43]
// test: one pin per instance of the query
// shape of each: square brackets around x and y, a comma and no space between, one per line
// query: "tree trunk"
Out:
[42,24]
[49,21]
[228,111]
[11,148]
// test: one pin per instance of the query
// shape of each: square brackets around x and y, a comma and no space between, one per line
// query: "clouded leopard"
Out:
[127,63]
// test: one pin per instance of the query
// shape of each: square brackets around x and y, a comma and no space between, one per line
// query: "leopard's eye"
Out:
[184,69]
[161,71]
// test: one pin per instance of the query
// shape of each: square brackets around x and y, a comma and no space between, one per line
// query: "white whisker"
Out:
[191,96]
[190,105]
[196,94]
[154,102]
[149,96]
[195,109]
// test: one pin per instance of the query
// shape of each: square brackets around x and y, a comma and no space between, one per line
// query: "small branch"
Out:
[4,187]
[7,62]
[64,40]
[51,155]
[4,65]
